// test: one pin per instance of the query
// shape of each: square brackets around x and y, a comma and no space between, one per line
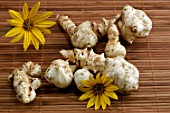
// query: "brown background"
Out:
[151,55]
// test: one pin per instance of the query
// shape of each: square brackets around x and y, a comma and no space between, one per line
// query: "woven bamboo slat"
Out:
[151,55]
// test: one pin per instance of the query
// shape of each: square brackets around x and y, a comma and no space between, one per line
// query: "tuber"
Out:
[133,23]
[59,73]
[82,35]
[24,85]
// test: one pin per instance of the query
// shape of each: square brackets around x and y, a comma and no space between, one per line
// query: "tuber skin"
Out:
[24,85]
[59,73]
[133,23]
[81,36]
[125,75]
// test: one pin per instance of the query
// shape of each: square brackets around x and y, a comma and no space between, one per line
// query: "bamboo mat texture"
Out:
[150,55]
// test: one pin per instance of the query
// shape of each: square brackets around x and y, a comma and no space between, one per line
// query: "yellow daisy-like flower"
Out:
[29,26]
[98,90]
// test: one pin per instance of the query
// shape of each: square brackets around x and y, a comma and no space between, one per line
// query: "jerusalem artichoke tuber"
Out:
[134,23]
[125,75]
[59,73]
[24,85]
[82,35]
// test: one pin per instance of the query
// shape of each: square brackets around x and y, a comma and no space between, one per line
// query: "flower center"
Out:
[99,88]
[28,24]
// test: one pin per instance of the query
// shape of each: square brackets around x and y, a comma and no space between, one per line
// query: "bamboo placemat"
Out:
[151,55]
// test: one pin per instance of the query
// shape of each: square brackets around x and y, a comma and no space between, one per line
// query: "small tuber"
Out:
[24,85]
[24,82]
[59,73]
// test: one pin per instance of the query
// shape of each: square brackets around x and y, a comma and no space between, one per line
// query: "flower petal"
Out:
[103,78]
[97,76]
[106,99]
[45,31]
[25,11]
[14,31]
[103,104]
[35,42]
[15,15]
[86,95]
[92,81]
[97,102]
[91,78]
[15,22]
[45,24]
[42,16]
[111,88]
[91,102]
[34,10]
[85,83]
[84,89]
[108,81]
[18,37]
[112,95]
[38,34]
[27,40]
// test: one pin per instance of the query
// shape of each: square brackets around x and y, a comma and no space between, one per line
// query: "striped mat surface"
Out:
[151,55]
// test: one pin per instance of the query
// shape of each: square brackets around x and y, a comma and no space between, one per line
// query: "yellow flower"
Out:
[98,90]
[29,26]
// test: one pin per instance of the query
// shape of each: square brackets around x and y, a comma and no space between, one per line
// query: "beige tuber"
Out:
[82,35]
[134,23]
[59,73]
[24,85]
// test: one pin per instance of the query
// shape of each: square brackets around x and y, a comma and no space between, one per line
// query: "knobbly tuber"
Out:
[133,23]
[125,75]
[59,73]
[24,85]
[108,28]
[82,35]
